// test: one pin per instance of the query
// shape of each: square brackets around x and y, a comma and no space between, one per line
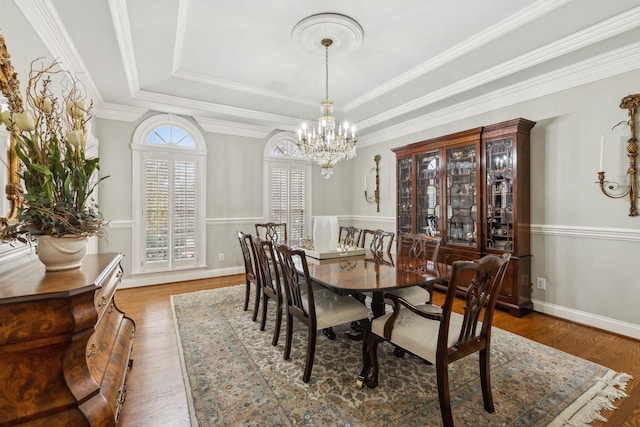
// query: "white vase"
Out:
[325,233]
[61,253]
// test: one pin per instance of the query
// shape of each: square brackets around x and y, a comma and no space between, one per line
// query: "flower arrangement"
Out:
[50,142]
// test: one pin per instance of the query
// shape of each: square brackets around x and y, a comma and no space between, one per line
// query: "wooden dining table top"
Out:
[372,272]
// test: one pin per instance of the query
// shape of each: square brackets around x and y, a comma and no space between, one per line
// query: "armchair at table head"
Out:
[318,309]
[444,337]
[274,231]
[381,241]
[250,272]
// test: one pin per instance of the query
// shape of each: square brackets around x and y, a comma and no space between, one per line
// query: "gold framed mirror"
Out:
[9,84]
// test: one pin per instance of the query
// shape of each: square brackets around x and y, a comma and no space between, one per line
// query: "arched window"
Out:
[169,155]
[287,181]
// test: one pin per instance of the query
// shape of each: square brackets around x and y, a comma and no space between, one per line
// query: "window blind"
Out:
[288,200]
[156,210]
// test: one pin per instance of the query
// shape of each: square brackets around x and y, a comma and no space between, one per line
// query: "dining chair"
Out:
[264,251]
[250,273]
[419,252]
[444,337]
[381,241]
[317,309]
[274,231]
[349,236]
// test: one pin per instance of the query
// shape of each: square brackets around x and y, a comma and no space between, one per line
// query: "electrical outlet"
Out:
[221,256]
[541,283]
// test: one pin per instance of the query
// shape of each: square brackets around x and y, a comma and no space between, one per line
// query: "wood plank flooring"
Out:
[155,390]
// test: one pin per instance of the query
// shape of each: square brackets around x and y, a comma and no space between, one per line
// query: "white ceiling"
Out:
[234,66]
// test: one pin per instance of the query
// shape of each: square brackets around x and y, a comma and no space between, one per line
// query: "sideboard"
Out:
[65,347]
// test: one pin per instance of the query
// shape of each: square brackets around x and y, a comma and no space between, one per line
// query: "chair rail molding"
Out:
[599,233]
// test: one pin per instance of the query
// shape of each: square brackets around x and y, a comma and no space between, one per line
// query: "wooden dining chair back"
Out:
[380,241]
[418,253]
[318,309]
[271,284]
[419,249]
[444,337]
[349,236]
[274,231]
[250,272]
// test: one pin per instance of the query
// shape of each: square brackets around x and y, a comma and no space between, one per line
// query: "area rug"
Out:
[235,377]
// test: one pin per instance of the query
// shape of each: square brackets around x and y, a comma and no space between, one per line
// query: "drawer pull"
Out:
[102,301]
[92,351]
[122,396]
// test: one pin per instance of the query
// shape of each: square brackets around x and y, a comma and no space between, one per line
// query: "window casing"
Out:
[168,206]
[287,187]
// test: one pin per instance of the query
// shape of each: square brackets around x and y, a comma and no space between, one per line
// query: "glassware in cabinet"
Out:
[428,193]
[405,195]
[461,196]
[499,190]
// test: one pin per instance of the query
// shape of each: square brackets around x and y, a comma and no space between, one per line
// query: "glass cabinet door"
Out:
[428,193]
[499,191]
[405,195]
[462,196]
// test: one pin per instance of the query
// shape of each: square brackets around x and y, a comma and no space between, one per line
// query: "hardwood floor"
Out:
[155,390]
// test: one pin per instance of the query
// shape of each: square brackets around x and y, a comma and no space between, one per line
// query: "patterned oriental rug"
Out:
[234,377]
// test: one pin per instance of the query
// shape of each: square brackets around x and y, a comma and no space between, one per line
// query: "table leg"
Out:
[377,304]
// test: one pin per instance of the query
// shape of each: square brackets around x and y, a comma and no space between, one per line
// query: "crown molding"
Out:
[601,31]
[186,104]
[45,21]
[122,29]
[505,26]
[223,84]
[597,68]
[232,128]
[181,27]
[123,113]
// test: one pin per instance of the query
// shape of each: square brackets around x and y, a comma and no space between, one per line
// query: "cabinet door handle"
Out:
[92,351]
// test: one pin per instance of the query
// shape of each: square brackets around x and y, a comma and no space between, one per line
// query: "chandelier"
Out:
[325,145]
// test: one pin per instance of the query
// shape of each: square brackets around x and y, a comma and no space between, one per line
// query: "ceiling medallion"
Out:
[325,145]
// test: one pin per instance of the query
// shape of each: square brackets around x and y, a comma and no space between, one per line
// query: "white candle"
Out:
[601,154]
[365,181]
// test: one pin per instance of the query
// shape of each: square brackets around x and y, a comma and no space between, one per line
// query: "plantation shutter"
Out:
[170,211]
[184,211]
[279,194]
[288,200]
[297,206]
[156,210]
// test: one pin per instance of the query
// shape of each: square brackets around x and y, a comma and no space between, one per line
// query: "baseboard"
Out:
[611,325]
[177,276]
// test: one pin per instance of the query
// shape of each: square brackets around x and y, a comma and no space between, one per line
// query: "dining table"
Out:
[375,272]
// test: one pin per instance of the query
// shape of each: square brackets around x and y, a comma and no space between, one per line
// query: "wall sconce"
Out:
[613,189]
[375,198]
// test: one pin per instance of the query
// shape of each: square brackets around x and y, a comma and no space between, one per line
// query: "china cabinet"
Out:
[471,188]
[65,346]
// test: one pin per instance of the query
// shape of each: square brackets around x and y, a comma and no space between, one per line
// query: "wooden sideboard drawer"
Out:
[100,345]
[108,286]
[65,347]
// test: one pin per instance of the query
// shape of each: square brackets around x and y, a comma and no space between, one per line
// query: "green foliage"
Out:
[58,178]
